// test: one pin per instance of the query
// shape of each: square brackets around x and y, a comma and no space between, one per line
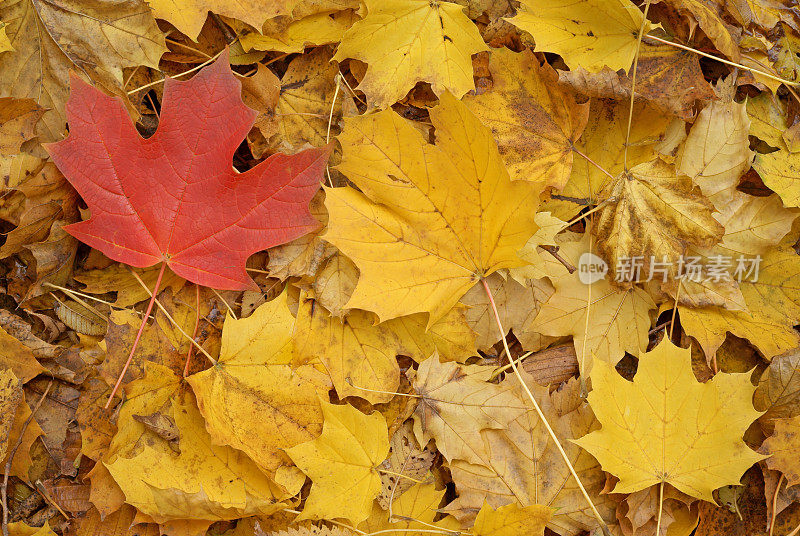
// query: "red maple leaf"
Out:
[175,197]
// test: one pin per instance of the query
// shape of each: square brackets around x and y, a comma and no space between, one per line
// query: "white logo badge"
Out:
[591,268]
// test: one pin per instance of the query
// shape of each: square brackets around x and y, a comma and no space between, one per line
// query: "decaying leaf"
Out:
[655,213]
[534,120]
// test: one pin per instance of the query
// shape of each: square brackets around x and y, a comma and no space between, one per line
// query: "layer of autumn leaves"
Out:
[360,385]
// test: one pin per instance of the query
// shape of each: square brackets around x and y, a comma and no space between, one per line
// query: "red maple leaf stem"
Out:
[138,334]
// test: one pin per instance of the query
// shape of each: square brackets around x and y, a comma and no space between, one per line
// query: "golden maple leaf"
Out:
[252,400]
[342,464]
[667,427]
[204,482]
[410,41]
[587,33]
[534,120]
[432,219]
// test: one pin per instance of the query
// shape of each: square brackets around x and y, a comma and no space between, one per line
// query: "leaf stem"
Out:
[592,162]
[174,323]
[541,415]
[401,475]
[193,69]
[723,60]
[138,334]
[633,84]
[660,507]
[774,515]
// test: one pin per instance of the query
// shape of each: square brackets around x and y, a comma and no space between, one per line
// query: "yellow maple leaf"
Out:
[767,119]
[251,399]
[416,508]
[773,305]
[342,464]
[204,481]
[780,171]
[587,33]
[512,520]
[410,41]
[313,30]
[358,355]
[18,357]
[534,120]
[717,151]
[188,16]
[619,320]
[667,427]
[432,219]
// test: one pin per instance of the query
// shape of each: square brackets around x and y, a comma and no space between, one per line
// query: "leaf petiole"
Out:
[138,334]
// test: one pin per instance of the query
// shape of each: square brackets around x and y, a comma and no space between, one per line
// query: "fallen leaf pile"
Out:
[400,267]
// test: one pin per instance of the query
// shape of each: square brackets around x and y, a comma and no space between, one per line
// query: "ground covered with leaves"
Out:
[403,267]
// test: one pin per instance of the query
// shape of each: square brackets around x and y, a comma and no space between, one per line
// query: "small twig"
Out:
[576,200]
[230,37]
[46,496]
[775,505]
[13,452]
[230,309]
[504,368]
[387,472]
[193,69]
[196,326]
[579,217]
[187,47]
[723,60]
[675,309]
[592,162]
[72,293]
[553,250]
[330,122]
